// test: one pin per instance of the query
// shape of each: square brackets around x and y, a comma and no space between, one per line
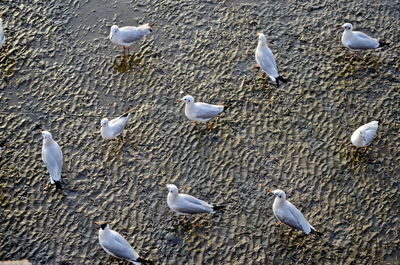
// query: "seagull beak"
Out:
[40,131]
[337,28]
[179,100]
[270,191]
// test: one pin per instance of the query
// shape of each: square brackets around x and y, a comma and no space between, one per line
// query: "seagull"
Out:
[112,129]
[116,245]
[184,204]
[363,136]
[199,111]
[2,37]
[357,40]
[52,157]
[266,60]
[127,36]
[288,214]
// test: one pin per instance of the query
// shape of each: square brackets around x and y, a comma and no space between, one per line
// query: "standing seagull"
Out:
[116,245]
[2,37]
[112,129]
[266,60]
[363,136]
[199,111]
[288,214]
[357,40]
[52,157]
[184,204]
[127,36]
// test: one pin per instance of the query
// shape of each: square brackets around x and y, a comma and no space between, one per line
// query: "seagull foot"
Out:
[278,223]
[256,66]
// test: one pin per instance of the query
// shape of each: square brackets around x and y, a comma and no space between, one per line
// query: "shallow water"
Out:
[60,72]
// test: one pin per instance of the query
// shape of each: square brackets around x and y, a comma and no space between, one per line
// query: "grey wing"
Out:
[289,219]
[362,35]
[60,156]
[297,215]
[267,62]
[207,111]
[369,135]
[130,34]
[194,200]
[362,41]
[52,157]
[118,124]
[120,248]
[184,205]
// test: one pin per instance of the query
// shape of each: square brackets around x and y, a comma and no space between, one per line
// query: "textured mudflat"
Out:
[60,72]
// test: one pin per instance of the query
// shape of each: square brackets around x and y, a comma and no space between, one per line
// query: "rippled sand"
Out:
[60,72]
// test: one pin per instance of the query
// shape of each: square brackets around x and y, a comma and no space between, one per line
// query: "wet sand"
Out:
[60,72]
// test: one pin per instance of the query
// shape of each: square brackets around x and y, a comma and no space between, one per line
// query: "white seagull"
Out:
[357,40]
[127,36]
[112,129]
[52,157]
[266,60]
[363,136]
[288,214]
[116,245]
[2,36]
[184,204]
[199,111]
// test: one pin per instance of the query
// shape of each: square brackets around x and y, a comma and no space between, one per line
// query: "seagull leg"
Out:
[366,149]
[256,66]
[278,223]
[209,126]
[353,54]
[182,218]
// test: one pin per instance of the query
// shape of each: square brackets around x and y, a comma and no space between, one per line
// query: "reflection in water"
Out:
[126,62]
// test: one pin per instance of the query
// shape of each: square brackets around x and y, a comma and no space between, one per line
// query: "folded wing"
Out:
[207,111]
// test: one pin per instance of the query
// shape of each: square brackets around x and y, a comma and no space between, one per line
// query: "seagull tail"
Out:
[383,44]
[58,185]
[219,208]
[280,78]
[319,234]
[143,261]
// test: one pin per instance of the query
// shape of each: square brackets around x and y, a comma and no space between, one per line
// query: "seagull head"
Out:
[46,135]
[187,99]
[101,224]
[114,30]
[261,37]
[279,194]
[104,122]
[347,26]
[172,188]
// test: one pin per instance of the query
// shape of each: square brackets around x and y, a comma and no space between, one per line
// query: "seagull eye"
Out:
[280,196]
